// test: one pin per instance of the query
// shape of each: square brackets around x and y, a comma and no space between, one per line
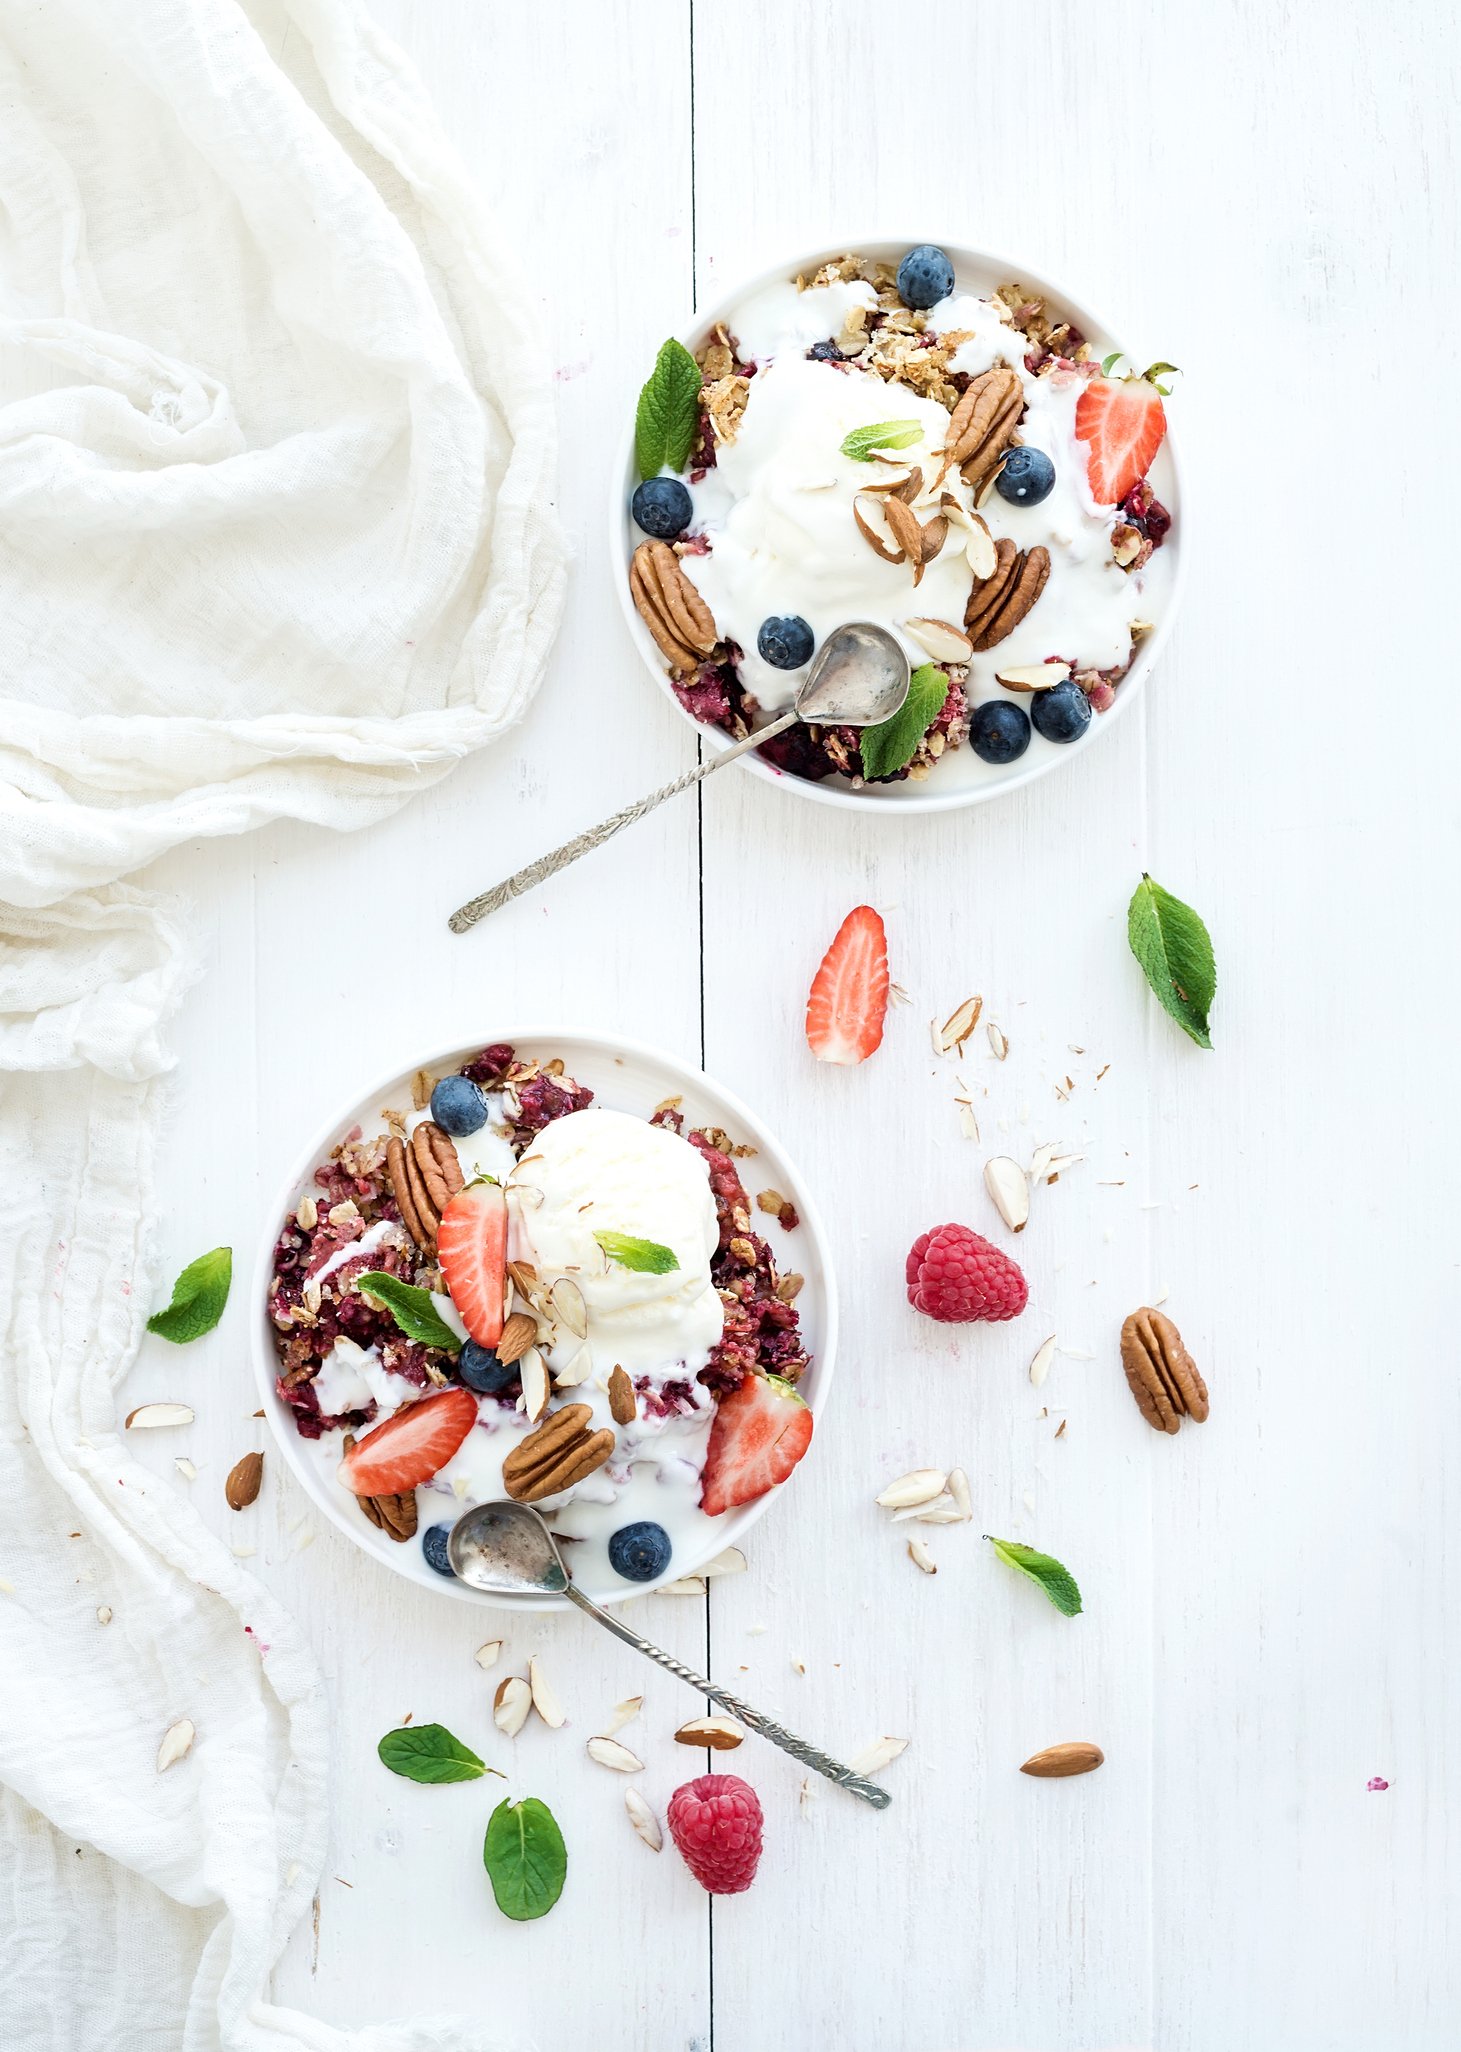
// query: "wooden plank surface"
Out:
[1266,195]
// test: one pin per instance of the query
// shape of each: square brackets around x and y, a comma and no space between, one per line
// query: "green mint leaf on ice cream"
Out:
[894,741]
[862,444]
[668,413]
[413,1309]
[1174,949]
[198,1298]
[646,1257]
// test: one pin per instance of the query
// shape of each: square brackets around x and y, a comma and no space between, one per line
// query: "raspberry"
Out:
[715,1822]
[955,1276]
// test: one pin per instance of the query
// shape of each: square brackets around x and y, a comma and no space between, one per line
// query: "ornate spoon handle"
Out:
[466,916]
[766,1727]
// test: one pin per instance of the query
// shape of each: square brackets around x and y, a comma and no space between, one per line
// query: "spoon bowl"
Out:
[858,677]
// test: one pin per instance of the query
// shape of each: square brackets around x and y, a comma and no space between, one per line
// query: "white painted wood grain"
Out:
[1267,195]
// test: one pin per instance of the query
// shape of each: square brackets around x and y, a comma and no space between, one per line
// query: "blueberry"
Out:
[1026,477]
[785,644]
[640,1552]
[925,276]
[661,506]
[481,1370]
[999,731]
[459,1106]
[826,352]
[1061,714]
[433,1545]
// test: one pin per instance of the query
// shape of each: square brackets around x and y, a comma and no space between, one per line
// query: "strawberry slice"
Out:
[761,1431]
[471,1245]
[849,995]
[1123,422]
[411,1447]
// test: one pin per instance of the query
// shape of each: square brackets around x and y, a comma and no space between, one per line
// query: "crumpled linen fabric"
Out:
[276,540]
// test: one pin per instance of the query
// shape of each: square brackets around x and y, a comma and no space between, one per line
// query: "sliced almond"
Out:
[576,1370]
[870,534]
[623,1713]
[937,638]
[1076,1756]
[688,1585]
[642,1817]
[1033,676]
[544,1701]
[185,1467]
[565,1301]
[979,548]
[881,1753]
[176,1741]
[1041,1160]
[536,1386]
[721,1734]
[921,1558]
[488,1653]
[959,1491]
[942,1511]
[731,1562]
[920,1485]
[245,1479]
[609,1753]
[960,1023]
[999,1044]
[511,1704]
[1008,1186]
[1059,1163]
[104,1613]
[934,533]
[1044,1355]
[147,1417]
[518,1335]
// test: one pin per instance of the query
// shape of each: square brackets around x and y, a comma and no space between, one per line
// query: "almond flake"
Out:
[881,1753]
[565,1301]
[968,1121]
[919,1486]
[997,1041]
[721,1734]
[1040,1366]
[609,1753]
[185,1467]
[511,1704]
[731,1562]
[920,1556]
[176,1741]
[536,1387]
[959,1491]
[642,1817]
[939,639]
[489,1653]
[623,1713]
[688,1585]
[544,1701]
[1006,1183]
[104,1614]
[576,1371]
[149,1416]
[958,1026]
[1033,676]
[1060,1162]
[942,1511]
[1042,1159]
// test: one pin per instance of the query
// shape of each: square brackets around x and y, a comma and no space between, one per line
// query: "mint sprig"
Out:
[198,1298]
[668,413]
[894,741]
[413,1309]
[1057,1581]
[1174,949]
[525,1858]
[430,1753]
[645,1257]
[863,442]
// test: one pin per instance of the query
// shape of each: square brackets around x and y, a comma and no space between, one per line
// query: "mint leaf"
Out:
[894,741]
[412,1309]
[525,1858]
[1174,949]
[198,1298]
[646,1257]
[668,412]
[883,434]
[1057,1581]
[428,1752]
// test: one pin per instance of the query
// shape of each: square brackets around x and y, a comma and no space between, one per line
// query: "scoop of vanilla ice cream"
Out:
[605,1171]
[779,504]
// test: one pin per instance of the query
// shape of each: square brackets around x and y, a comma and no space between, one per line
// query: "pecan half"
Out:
[670,606]
[393,1515]
[410,1192]
[982,423]
[997,604]
[1163,1376]
[436,1159]
[558,1453]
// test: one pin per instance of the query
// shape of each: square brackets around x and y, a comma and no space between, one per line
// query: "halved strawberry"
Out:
[1122,421]
[411,1447]
[471,1245]
[849,996]
[761,1431]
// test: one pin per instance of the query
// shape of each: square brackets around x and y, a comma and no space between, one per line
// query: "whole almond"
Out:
[623,1405]
[518,1335]
[1077,1756]
[245,1478]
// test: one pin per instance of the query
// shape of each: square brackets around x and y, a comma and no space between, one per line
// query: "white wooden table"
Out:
[1266,194]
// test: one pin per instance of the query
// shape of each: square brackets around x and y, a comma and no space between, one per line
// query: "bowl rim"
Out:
[956,799]
[729,1105]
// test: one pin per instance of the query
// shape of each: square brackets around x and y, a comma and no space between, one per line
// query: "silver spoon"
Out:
[505,1549]
[858,677]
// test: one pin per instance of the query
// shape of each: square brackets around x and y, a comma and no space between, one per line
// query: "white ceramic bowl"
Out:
[961,778]
[624,1076]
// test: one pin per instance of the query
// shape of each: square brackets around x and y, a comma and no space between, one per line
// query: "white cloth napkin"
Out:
[276,465]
